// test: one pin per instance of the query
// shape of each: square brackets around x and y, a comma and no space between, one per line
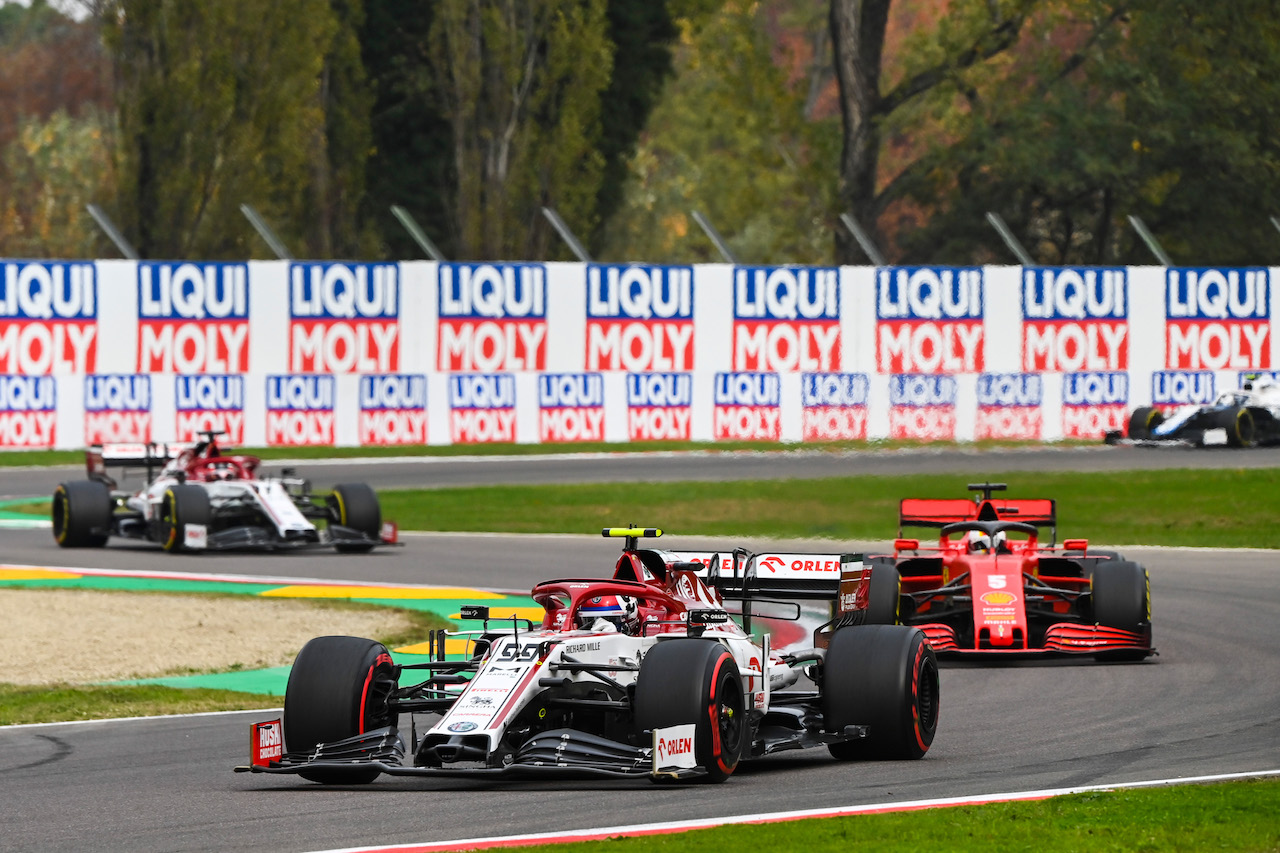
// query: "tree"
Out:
[55,139]
[342,153]
[411,163]
[973,32]
[520,83]
[642,32]
[730,139]
[220,104]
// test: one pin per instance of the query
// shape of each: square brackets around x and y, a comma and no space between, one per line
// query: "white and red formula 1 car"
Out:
[195,498]
[660,671]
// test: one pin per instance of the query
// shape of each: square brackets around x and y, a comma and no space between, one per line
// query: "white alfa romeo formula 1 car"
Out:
[666,670]
[195,498]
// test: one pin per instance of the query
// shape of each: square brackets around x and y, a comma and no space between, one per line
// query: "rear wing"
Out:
[740,573]
[98,458]
[939,512]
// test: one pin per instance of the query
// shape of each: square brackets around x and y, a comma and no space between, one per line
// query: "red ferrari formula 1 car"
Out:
[654,672]
[989,587]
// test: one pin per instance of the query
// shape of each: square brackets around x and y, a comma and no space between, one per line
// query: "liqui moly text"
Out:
[639,317]
[786,319]
[929,320]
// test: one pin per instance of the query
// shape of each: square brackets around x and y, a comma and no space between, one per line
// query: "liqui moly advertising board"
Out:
[209,402]
[1075,319]
[117,408]
[344,318]
[834,406]
[1094,403]
[929,320]
[28,411]
[48,318]
[786,319]
[492,317]
[639,318]
[1173,388]
[393,409]
[747,407]
[1009,406]
[922,407]
[570,407]
[482,408]
[659,406]
[300,409]
[193,318]
[1217,319]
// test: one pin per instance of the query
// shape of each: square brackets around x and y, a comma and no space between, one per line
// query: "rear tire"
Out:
[695,681]
[1240,427]
[81,514]
[885,677]
[356,506]
[1143,421]
[338,688]
[884,596]
[182,506]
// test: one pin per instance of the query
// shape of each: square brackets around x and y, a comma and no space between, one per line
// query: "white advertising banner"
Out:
[346,354]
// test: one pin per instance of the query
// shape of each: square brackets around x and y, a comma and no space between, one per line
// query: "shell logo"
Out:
[997,598]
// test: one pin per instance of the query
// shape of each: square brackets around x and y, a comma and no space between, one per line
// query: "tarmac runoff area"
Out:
[238,633]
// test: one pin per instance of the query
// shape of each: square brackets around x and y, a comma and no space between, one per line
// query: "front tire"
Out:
[81,514]
[181,507]
[885,677]
[1143,421]
[1122,599]
[338,688]
[356,506]
[695,681]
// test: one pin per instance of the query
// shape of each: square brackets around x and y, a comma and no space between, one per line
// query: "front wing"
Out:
[1063,638]
[554,752]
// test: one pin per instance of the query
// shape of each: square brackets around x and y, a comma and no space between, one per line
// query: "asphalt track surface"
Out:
[1210,703]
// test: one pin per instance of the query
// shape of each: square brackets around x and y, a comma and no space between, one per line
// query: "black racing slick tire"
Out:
[1143,421]
[81,514]
[180,507]
[884,677]
[1241,429]
[695,681]
[338,688]
[1122,599]
[884,594]
[356,506]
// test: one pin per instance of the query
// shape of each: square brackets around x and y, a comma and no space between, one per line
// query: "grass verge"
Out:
[1207,508]
[1238,816]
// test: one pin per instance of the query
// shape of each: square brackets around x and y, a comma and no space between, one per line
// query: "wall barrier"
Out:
[329,353]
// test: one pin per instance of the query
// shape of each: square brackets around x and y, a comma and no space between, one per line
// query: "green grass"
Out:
[1212,508]
[43,704]
[1223,816]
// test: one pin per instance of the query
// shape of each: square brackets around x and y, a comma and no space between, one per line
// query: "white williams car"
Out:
[200,499]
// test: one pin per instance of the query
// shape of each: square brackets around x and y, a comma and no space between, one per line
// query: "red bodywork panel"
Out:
[999,602]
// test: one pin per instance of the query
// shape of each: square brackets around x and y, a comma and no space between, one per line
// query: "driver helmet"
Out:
[617,611]
[981,543]
[220,471]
